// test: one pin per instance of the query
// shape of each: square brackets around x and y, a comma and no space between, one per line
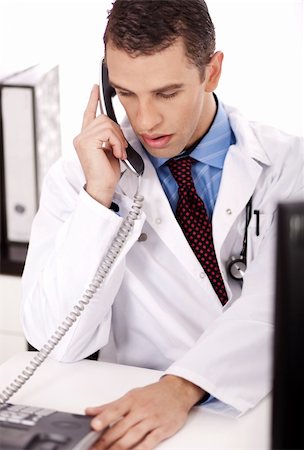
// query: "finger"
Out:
[134,436]
[116,141]
[111,144]
[101,139]
[93,410]
[90,111]
[109,415]
[151,440]
[118,429]
[105,130]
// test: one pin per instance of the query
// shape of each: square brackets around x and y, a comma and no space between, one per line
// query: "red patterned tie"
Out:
[193,219]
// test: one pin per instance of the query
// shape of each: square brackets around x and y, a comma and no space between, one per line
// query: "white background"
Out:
[262,41]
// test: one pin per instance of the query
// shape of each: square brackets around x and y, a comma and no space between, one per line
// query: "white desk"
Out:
[72,387]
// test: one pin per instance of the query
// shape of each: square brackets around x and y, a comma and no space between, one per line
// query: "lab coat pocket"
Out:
[258,228]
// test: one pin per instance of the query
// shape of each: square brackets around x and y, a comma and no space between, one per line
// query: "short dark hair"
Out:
[144,27]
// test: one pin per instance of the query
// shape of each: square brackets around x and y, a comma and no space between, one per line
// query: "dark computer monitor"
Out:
[288,383]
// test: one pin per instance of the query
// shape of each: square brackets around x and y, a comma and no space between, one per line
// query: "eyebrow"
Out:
[161,89]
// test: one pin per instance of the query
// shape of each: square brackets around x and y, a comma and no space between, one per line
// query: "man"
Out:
[165,304]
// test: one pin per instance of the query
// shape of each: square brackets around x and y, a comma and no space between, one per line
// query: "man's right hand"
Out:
[101,166]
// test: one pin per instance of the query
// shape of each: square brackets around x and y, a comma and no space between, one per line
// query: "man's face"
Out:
[163,95]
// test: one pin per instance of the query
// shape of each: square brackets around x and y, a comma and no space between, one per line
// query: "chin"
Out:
[163,152]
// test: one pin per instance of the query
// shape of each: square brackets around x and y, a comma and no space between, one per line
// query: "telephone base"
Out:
[32,428]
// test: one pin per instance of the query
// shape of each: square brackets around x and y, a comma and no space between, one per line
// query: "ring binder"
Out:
[29,143]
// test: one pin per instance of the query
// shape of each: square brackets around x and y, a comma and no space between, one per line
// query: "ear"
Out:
[213,71]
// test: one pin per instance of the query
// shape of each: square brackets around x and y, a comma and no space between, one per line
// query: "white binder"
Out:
[19,161]
[30,144]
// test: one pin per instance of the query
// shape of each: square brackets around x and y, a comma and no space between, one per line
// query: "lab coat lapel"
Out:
[158,211]
[242,169]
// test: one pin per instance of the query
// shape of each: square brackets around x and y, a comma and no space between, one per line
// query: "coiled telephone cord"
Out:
[99,277]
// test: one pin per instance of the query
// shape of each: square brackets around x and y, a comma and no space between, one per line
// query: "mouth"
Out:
[157,141]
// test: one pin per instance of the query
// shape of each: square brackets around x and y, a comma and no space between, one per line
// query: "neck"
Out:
[208,115]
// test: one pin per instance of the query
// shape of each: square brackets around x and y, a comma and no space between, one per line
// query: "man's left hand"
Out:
[145,416]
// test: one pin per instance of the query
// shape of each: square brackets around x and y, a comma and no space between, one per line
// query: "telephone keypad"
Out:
[23,415]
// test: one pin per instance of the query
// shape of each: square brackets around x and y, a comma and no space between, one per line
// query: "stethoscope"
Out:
[237,265]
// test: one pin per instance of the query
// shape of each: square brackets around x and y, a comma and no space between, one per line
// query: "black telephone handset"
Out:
[134,161]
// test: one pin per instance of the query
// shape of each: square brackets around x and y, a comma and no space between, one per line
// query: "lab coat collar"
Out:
[245,136]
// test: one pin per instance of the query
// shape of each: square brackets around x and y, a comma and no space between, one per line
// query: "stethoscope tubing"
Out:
[237,265]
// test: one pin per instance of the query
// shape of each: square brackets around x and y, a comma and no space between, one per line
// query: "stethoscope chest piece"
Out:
[237,268]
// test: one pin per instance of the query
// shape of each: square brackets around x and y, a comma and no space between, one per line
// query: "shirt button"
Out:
[143,237]
[228,211]
[202,274]
[158,221]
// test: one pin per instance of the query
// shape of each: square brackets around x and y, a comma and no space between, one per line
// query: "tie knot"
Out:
[181,170]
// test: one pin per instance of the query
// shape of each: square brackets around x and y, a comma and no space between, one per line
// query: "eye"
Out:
[167,96]
[124,93]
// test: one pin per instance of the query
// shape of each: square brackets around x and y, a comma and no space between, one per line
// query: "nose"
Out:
[148,117]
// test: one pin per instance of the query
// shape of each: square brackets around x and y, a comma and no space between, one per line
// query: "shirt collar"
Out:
[213,146]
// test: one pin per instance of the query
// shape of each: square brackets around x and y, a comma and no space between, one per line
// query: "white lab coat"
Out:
[157,308]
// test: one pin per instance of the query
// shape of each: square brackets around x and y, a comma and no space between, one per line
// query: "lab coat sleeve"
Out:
[70,234]
[232,359]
